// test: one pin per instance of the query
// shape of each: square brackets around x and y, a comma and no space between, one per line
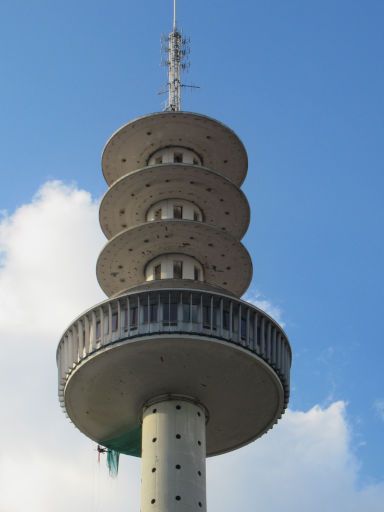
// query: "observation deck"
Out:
[229,355]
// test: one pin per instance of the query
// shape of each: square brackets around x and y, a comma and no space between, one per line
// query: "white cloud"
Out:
[379,408]
[257,299]
[48,251]
[305,463]
[49,248]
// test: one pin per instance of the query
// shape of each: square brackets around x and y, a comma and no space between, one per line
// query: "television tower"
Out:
[174,367]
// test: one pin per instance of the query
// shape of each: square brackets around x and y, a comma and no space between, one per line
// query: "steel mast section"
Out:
[177,49]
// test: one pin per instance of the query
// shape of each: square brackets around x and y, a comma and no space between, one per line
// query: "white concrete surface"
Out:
[173,456]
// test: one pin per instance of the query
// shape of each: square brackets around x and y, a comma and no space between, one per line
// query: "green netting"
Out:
[113,463]
[128,443]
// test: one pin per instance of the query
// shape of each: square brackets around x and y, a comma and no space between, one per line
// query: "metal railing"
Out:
[185,312]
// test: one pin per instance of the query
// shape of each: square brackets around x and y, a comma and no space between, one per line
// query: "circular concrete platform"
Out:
[126,203]
[105,394]
[218,146]
[121,264]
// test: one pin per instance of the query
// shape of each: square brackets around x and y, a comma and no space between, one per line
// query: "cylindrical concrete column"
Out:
[173,456]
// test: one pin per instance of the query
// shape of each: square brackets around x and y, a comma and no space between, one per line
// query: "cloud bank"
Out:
[48,250]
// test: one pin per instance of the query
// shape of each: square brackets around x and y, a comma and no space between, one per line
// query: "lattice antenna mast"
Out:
[177,49]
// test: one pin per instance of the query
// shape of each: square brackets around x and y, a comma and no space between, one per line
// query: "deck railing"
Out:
[183,312]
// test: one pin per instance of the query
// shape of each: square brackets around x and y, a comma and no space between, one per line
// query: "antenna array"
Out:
[176,49]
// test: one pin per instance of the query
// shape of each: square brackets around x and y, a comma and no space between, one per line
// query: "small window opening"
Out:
[170,314]
[197,274]
[157,272]
[98,329]
[206,318]
[226,319]
[195,161]
[178,158]
[144,313]
[196,215]
[153,313]
[133,317]
[177,212]
[114,322]
[186,313]
[243,328]
[158,160]
[177,270]
[126,319]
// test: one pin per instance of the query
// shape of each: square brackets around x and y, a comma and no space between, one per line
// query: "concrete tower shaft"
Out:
[173,469]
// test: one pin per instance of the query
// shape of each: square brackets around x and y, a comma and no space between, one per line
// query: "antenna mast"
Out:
[177,48]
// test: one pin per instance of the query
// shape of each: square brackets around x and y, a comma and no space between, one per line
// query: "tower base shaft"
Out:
[173,456]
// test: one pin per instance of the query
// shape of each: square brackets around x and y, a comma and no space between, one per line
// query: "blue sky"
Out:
[302,83]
